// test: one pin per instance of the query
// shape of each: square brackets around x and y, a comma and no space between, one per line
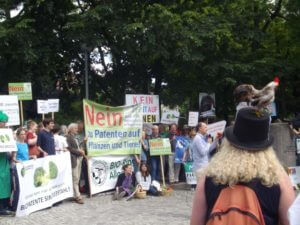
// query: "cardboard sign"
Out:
[47,106]
[22,90]
[104,172]
[53,105]
[214,128]
[150,106]
[189,173]
[7,141]
[294,174]
[170,117]
[10,106]
[160,146]
[193,119]
[43,182]
[112,130]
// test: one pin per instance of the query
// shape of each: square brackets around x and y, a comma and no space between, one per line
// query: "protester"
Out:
[295,127]
[171,158]
[202,145]
[145,148]
[45,140]
[5,182]
[155,160]
[245,161]
[63,130]
[126,183]
[40,127]
[31,139]
[60,141]
[163,131]
[188,153]
[143,178]
[21,155]
[77,154]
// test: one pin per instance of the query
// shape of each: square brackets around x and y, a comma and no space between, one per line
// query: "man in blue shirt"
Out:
[45,141]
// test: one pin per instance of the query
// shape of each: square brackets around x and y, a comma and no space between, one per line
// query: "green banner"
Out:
[22,90]
[112,130]
[160,146]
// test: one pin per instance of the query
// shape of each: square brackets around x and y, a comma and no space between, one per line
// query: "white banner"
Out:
[214,128]
[104,171]
[10,106]
[43,182]
[150,106]
[193,119]
[7,141]
[170,117]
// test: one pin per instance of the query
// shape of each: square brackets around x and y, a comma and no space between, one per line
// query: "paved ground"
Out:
[101,210]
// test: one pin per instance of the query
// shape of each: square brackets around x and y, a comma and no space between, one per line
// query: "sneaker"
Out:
[79,201]
[121,195]
[5,212]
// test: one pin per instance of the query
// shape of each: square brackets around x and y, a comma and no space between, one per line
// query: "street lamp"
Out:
[86,69]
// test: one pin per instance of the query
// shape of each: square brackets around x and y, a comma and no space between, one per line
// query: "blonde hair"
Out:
[231,165]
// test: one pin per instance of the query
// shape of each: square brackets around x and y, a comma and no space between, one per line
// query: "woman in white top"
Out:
[60,142]
[143,178]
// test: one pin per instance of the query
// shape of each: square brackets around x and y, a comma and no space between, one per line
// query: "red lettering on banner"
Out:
[134,100]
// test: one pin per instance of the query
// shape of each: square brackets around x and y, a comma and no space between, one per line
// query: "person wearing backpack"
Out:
[244,183]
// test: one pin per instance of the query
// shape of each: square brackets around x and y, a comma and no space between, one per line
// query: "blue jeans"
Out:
[152,191]
[155,167]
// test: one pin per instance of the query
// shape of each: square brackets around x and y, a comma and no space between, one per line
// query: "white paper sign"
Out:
[298,145]
[104,172]
[7,141]
[170,117]
[150,106]
[42,106]
[53,105]
[207,105]
[43,182]
[193,119]
[214,128]
[10,106]
[294,174]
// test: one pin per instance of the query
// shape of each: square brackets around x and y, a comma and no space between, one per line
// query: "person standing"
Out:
[60,141]
[201,147]
[171,158]
[155,160]
[45,141]
[31,139]
[77,154]
[5,182]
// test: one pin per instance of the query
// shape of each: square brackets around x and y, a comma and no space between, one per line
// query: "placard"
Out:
[10,106]
[170,117]
[7,141]
[215,128]
[193,119]
[298,145]
[42,106]
[150,106]
[43,182]
[112,130]
[104,172]
[53,105]
[189,173]
[207,105]
[160,146]
[294,174]
[22,90]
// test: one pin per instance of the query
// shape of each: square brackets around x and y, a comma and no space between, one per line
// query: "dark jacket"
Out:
[74,149]
[121,178]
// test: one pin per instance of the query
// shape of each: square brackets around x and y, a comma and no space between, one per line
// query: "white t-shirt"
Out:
[141,180]
[60,143]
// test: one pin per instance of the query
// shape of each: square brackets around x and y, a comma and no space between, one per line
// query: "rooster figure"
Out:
[247,96]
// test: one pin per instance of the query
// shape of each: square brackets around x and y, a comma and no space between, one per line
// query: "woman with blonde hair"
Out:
[245,158]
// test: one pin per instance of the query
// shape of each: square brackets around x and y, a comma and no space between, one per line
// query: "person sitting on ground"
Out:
[246,161]
[143,178]
[126,183]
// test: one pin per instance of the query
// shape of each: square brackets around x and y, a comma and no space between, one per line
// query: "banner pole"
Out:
[162,171]
[22,116]
[43,116]
[52,115]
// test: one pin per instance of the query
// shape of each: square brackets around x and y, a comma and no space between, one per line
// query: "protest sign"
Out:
[150,106]
[214,128]
[182,143]
[189,173]
[112,130]
[104,172]
[53,105]
[42,106]
[160,146]
[193,119]
[170,117]
[9,105]
[7,141]
[22,90]
[294,174]
[298,145]
[207,105]
[43,182]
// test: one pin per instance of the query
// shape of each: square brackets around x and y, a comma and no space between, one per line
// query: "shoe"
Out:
[5,212]
[121,195]
[79,201]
